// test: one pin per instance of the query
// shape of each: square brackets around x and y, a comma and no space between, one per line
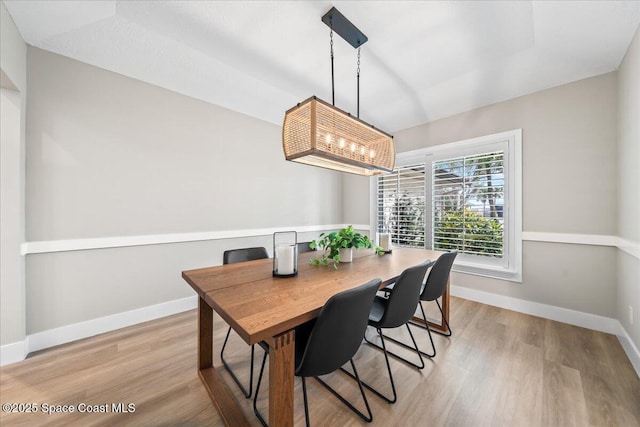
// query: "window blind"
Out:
[465,196]
[468,204]
[401,205]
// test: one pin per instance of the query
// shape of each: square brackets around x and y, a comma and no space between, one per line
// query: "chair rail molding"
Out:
[577,239]
[48,246]
[628,246]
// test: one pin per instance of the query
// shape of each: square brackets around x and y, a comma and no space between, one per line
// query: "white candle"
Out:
[286,259]
[385,241]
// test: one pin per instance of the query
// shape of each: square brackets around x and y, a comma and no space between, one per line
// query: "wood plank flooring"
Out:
[500,368]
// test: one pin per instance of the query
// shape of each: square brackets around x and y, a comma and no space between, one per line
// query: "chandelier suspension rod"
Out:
[333,92]
[358,85]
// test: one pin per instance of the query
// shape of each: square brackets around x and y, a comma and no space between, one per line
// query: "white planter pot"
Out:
[346,254]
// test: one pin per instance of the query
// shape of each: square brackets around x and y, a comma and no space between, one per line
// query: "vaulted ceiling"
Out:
[423,61]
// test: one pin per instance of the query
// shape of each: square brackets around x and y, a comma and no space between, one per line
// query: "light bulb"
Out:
[327,138]
[353,146]
[341,142]
[362,150]
[372,154]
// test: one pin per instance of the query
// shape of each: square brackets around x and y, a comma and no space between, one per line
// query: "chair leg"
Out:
[368,418]
[255,396]
[306,404]
[414,348]
[446,334]
[433,347]
[386,359]
[246,393]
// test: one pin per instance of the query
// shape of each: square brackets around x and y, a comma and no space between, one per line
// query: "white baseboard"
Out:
[630,348]
[572,317]
[14,352]
[18,351]
[89,328]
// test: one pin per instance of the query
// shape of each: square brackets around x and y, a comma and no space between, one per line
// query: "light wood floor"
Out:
[500,368]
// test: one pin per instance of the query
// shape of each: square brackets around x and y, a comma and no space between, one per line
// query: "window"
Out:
[463,196]
[468,204]
[401,205]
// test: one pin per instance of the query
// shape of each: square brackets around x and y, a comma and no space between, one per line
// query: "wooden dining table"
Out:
[260,307]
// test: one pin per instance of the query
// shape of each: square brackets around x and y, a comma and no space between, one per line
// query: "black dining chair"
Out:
[231,257]
[434,288]
[304,247]
[326,343]
[394,312]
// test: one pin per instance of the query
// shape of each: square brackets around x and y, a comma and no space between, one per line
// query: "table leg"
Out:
[205,335]
[281,373]
[222,398]
[446,301]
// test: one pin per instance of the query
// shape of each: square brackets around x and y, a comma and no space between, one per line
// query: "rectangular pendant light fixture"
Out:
[317,133]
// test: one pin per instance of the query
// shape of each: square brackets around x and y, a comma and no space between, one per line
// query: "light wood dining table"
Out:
[260,307]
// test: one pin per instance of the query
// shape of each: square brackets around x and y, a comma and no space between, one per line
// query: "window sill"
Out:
[487,271]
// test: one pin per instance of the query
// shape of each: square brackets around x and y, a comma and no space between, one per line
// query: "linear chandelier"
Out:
[317,133]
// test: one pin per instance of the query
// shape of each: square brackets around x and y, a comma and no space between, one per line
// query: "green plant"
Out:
[469,232]
[332,243]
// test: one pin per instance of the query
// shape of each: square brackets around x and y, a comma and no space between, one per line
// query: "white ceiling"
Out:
[423,60]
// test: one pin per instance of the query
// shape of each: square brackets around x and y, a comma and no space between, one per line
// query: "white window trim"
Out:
[513,162]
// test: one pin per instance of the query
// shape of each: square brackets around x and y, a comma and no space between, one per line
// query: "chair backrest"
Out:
[245,254]
[438,277]
[402,302]
[304,247]
[338,331]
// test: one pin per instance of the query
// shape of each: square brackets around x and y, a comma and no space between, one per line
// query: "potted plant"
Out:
[338,246]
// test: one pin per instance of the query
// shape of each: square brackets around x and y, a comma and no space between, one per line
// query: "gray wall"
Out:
[112,156]
[13,64]
[629,188]
[355,199]
[569,186]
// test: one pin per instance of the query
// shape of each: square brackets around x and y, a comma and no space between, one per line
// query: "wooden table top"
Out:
[259,306]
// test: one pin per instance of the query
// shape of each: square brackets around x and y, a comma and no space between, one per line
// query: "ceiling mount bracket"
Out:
[345,29]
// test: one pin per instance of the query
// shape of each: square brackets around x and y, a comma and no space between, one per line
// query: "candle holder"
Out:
[285,254]
[384,241]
